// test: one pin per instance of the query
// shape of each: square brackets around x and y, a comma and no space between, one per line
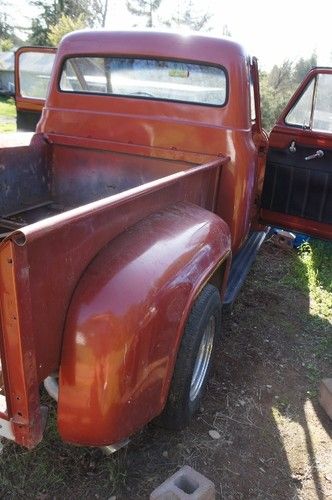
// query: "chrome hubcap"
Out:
[203,359]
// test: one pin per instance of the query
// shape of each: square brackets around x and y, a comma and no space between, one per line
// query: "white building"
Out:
[7,82]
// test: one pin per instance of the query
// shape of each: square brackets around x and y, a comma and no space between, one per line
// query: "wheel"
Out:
[194,360]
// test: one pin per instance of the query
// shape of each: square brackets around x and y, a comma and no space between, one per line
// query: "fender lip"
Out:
[123,328]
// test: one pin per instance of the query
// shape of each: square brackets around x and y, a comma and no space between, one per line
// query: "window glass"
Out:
[300,114]
[322,117]
[149,78]
[35,70]
[252,101]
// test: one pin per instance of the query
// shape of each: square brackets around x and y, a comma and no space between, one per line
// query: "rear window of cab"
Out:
[146,78]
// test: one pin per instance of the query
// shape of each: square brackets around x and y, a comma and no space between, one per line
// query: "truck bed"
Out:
[37,186]
[60,205]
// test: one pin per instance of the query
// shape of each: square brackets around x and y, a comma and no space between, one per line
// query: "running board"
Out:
[241,265]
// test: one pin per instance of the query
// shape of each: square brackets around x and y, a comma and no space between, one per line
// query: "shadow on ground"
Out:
[274,439]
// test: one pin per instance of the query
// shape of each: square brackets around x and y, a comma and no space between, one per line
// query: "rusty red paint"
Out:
[137,310]
[50,250]
[152,199]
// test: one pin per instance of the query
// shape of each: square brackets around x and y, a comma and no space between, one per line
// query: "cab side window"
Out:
[252,101]
[313,110]
[322,113]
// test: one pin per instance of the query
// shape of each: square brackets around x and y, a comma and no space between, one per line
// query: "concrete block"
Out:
[185,484]
[325,395]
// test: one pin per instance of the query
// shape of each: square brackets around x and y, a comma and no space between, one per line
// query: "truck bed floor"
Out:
[13,221]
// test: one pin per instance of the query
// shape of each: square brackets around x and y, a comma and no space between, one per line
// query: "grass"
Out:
[7,115]
[54,465]
[7,107]
[282,323]
[7,127]
[312,275]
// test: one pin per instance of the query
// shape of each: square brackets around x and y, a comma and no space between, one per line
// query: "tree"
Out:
[278,86]
[6,44]
[92,11]
[269,104]
[6,30]
[41,25]
[276,89]
[8,38]
[65,25]
[188,16]
[302,67]
[99,7]
[145,8]
[280,77]
[226,31]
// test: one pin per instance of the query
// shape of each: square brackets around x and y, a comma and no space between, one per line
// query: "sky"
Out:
[271,30]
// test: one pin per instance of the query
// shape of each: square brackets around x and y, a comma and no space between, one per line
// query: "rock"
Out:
[214,434]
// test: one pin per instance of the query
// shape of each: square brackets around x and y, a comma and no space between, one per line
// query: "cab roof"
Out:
[153,44]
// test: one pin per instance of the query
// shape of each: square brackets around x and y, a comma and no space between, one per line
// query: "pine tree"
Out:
[303,66]
[8,38]
[187,16]
[92,12]
[6,30]
[144,8]
[226,31]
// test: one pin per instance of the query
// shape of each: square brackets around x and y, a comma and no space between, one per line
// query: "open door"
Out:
[33,66]
[297,190]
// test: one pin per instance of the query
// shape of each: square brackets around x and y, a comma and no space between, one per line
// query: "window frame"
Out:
[315,80]
[146,98]
[49,51]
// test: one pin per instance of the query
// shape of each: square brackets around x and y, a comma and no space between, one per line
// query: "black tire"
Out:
[184,395]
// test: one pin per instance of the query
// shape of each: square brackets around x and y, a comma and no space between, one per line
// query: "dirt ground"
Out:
[275,440]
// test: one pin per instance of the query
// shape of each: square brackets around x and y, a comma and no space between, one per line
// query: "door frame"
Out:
[29,106]
[281,137]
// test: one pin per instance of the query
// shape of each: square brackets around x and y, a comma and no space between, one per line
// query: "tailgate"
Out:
[20,412]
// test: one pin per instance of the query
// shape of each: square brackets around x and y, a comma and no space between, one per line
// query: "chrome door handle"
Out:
[319,154]
[292,147]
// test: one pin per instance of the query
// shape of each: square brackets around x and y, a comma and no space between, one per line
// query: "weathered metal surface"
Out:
[24,176]
[172,127]
[126,319]
[47,259]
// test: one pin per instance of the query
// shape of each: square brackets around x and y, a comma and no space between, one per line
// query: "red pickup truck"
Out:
[133,216]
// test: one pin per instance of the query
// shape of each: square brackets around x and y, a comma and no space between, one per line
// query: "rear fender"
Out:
[126,319]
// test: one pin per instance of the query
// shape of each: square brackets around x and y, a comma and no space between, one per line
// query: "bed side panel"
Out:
[125,322]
